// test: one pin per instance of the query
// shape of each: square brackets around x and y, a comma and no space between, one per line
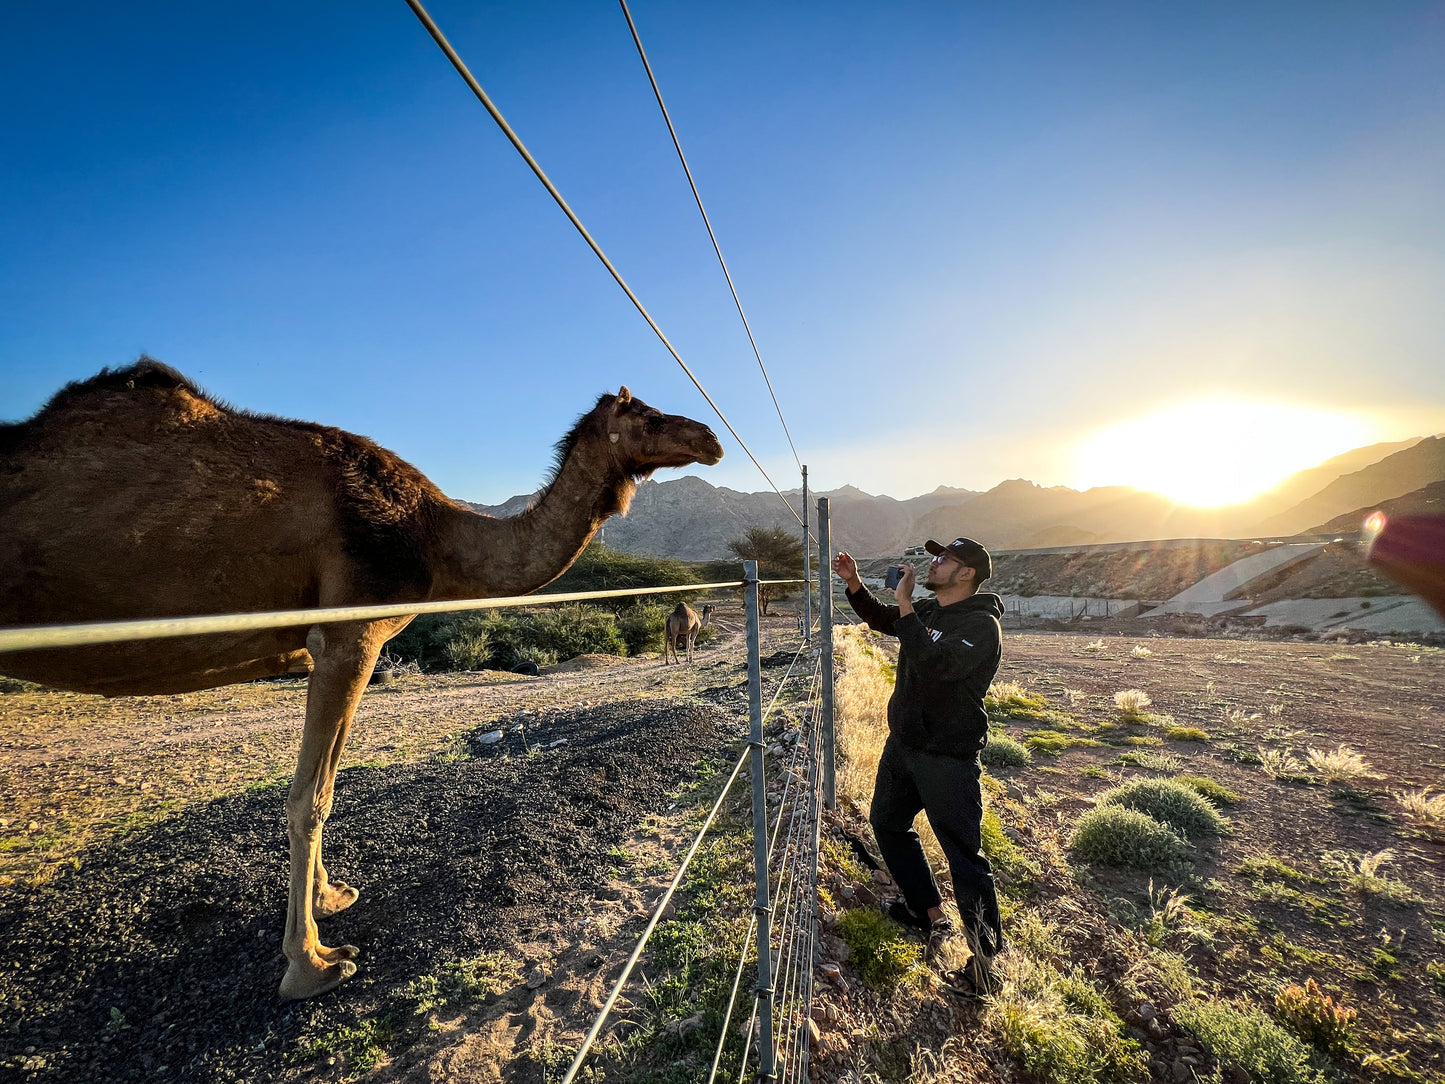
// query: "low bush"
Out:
[1313,1015]
[1061,1028]
[642,625]
[1213,791]
[1169,802]
[1186,733]
[1004,751]
[1010,700]
[879,949]
[1111,835]
[1006,856]
[1248,1040]
[504,639]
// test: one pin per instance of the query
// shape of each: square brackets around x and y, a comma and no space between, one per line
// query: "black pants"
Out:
[947,789]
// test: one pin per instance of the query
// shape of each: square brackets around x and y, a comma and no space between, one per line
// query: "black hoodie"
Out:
[947,656]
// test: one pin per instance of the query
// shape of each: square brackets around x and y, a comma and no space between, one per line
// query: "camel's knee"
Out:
[305,815]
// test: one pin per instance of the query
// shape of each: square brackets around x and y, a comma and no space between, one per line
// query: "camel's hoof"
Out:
[303,980]
[336,898]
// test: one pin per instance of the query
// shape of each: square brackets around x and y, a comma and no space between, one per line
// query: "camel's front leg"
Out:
[344,656]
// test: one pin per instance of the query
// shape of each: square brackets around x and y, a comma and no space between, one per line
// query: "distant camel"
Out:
[133,494]
[683,624]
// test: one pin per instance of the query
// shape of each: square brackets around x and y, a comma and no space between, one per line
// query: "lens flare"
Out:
[1215,452]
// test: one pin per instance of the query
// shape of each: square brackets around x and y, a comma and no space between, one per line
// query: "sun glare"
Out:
[1216,452]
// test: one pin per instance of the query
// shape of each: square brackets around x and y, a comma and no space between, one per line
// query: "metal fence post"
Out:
[767,1069]
[825,635]
[807,572]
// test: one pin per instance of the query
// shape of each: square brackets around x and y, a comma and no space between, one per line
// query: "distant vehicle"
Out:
[914,551]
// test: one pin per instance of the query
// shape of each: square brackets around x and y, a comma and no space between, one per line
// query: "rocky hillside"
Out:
[693,520]
[1394,476]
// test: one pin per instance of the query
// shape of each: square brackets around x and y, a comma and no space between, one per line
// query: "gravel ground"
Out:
[159,957]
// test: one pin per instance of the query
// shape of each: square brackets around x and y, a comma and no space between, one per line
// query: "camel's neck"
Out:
[484,557]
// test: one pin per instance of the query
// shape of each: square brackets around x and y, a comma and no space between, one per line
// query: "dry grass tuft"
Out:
[1422,805]
[1140,652]
[1339,765]
[1279,763]
[860,700]
[1132,706]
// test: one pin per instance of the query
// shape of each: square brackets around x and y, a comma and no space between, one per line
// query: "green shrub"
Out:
[1112,835]
[1006,856]
[1313,1015]
[1062,1029]
[1008,699]
[1167,801]
[503,639]
[1003,751]
[878,948]
[1211,790]
[602,569]
[642,625]
[1247,1039]
[468,650]
[1186,733]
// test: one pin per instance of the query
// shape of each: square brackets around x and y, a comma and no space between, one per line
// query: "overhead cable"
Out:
[667,117]
[465,73]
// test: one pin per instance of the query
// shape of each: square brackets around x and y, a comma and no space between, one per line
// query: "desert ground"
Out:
[142,851]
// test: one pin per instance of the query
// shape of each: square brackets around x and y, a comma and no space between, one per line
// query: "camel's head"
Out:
[641,439]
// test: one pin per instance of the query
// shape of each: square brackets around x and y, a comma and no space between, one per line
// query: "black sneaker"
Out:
[900,913]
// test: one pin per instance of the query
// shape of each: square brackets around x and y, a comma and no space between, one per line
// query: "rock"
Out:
[847,892]
[536,978]
[1182,1073]
[559,741]
[880,877]
[686,1026]
[813,1033]
[819,1014]
[832,972]
[491,737]
[1147,1011]
[1137,1034]
[865,896]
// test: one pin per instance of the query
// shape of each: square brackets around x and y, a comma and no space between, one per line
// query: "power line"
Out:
[666,116]
[465,73]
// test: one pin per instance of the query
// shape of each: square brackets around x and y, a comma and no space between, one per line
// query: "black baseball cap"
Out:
[969,552]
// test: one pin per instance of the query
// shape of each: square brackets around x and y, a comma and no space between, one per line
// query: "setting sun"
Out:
[1218,451]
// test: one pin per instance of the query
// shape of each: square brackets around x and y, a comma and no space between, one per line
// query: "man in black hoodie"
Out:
[948,653]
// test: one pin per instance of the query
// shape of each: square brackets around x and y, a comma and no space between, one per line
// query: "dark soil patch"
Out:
[163,949]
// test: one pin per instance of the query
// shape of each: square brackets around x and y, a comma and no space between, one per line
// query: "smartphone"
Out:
[892,577]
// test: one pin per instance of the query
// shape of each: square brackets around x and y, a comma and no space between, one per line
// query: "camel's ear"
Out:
[624,400]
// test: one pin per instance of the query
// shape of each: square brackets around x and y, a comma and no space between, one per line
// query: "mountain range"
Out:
[694,520]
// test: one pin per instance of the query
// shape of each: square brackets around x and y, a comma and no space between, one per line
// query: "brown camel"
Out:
[134,495]
[683,624]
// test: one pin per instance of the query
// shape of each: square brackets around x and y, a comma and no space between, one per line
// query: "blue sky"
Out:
[966,235]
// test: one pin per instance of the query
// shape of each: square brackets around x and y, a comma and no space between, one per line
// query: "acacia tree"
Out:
[779,555]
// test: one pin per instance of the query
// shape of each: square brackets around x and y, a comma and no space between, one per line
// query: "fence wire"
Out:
[666,897]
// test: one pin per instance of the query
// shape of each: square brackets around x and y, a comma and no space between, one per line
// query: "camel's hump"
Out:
[145,373]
